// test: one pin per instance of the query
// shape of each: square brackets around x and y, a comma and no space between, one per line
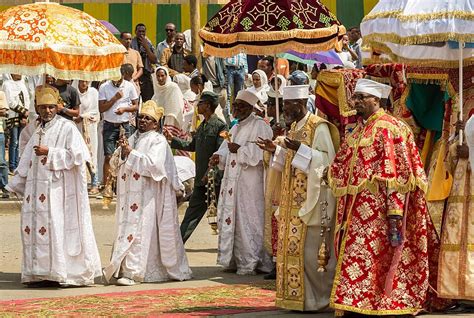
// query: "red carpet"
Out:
[186,302]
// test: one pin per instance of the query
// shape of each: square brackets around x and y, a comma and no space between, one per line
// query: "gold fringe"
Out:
[456,247]
[421,17]
[336,78]
[113,73]
[112,48]
[382,48]
[270,49]
[207,35]
[419,38]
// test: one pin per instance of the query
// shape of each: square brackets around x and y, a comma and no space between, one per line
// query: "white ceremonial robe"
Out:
[148,246]
[312,161]
[241,206]
[56,226]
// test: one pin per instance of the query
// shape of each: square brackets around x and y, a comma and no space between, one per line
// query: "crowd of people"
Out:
[340,221]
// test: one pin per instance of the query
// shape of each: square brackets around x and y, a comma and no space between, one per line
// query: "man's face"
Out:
[126,40]
[345,39]
[161,77]
[271,107]
[83,85]
[146,123]
[140,31]
[47,112]
[117,83]
[364,104]
[353,35]
[265,66]
[61,82]
[50,80]
[188,68]
[241,109]
[202,107]
[179,40]
[294,110]
[170,30]
[16,77]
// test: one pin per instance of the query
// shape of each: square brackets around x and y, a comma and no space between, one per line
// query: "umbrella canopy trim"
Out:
[422,17]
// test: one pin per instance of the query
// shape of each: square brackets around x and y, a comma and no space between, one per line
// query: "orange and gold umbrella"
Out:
[48,38]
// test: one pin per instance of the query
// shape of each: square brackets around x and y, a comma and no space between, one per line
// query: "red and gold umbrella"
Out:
[48,38]
[270,27]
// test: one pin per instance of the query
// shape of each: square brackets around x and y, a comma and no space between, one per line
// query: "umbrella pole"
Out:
[461,47]
[277,110]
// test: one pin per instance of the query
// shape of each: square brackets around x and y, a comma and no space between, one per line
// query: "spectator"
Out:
[190,65]
[117,100]
[236,72]
[132,57]
[143,45]
[3,163]
[213,70]
[266,65]
[170,30]
[69,96]
[355,40]
[173,58]
[18,100]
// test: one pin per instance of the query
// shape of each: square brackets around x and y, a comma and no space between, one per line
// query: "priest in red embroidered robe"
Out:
[59,246]
[148,246]
[241,205]
[386,243]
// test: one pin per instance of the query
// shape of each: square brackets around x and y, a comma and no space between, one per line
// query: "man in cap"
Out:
[385,240]
[148,246]
[56,227]
[241,203]
[205,142]
[306,207]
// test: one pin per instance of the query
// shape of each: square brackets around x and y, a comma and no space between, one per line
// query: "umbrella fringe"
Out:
[270,49]
[62,49]
[418,38]
[398,14]
[271,36]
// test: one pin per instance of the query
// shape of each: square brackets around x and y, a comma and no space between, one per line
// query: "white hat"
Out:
[373,88]
[271,93]
[248,97]
[296,92]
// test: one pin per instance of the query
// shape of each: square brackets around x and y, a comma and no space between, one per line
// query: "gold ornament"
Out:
[211,200]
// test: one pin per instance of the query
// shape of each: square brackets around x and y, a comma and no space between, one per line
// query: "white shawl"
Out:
[169,97]
[261,92]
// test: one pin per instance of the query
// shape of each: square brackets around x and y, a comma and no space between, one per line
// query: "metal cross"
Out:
[40,134]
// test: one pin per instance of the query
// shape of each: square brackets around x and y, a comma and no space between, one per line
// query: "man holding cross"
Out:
[59,246]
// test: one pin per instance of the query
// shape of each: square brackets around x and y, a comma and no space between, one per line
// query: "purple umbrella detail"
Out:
[110,27]
[326,57]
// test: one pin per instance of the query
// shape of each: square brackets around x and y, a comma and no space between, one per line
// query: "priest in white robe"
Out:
[148,246]
[59,246]
[241,205]
[307,207]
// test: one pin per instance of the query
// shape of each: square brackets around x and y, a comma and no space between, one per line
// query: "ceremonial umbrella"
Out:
[327,57]
[48,38]
[423,32]
[271,26]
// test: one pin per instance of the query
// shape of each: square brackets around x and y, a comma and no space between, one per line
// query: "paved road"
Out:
[201,251]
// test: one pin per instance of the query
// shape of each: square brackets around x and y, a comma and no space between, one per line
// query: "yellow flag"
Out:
[442,181]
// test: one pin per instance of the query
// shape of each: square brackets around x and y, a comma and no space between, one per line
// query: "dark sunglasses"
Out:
[169,30]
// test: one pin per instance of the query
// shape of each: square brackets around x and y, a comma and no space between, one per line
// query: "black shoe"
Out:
[44,284]
[271,275]
[5,194]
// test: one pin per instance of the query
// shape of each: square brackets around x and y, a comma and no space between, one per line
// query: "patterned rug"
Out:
[186,302]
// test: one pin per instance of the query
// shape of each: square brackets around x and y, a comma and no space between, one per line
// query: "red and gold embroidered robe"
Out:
[378,173]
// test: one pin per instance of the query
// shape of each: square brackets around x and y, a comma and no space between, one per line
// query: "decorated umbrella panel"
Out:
[270,27]
[48,38]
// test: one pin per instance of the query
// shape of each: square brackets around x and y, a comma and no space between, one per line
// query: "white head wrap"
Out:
[296,92]
[373,88]
[247,96]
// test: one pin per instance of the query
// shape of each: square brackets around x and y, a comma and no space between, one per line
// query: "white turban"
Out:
[373,88]
[296,92]
[248,97]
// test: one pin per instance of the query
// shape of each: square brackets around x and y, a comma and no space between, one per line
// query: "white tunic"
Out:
[241,205]
[148,247]
[56,226]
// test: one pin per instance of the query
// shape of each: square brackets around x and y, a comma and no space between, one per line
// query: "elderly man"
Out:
[205,142]
[307,208]
[241,203]
[173,57]
[148,247]
[385,237]
[58,240]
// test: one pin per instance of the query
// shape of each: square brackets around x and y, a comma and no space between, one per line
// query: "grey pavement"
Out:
[201,250]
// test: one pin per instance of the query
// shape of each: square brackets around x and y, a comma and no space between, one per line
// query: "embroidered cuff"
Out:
[302,158]
[395,212]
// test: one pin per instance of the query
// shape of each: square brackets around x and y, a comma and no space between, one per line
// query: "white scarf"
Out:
[184,85]
[169,97]
[261,91]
